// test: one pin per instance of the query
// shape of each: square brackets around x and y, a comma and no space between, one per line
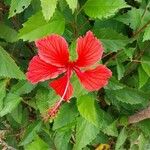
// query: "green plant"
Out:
[116,116]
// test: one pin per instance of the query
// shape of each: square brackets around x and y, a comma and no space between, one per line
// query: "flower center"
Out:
[70,67]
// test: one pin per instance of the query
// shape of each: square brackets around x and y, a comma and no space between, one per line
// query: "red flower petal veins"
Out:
[39,70]
[53,49]
[89,50]
[94,79]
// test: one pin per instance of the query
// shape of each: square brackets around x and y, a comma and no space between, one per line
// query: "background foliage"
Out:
[90,120]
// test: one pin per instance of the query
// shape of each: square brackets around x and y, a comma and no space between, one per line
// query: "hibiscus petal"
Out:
[39,70]
[53,49]
[89,50]
[94,79]
[59,86]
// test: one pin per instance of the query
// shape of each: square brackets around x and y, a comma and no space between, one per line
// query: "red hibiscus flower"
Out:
[53,60]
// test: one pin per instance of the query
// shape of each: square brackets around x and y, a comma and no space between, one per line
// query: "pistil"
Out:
[53,111]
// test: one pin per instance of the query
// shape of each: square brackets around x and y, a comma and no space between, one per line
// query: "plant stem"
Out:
[141,29]
[139,116]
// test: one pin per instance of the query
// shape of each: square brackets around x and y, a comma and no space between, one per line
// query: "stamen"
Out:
[53,111]
[77,70]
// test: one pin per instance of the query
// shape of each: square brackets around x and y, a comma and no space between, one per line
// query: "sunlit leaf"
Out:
[36,26]
[48,8]
[17,6]
[103,9]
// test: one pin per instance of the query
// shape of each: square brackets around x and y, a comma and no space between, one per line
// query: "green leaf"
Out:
[72,4]
[129,52]
[140,1]
[121,139]
[146,64]
[135,18]
[17,6]
[127,95]
[45,98]
[22,87]
[85,133]
[48,8]
[36,27]
[143,77]
[142,142]
[8,67]
[7,33]
[104,118]
[123,121]
[146,35]
[2,92]
[87,109]
[145,127]
[103,9]
[30,133]
[42,100]
[61,139]
[114,84]
[132,18]
[7,2]
[37,144]
[66,116]
[111,39]
[42,97]
[111,129]
[17,114]
[100,138]
[79,90]
[72,50]
[120,69]
[90,110]
[109,24]
[10,103]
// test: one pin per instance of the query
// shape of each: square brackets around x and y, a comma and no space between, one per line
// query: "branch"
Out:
[139,116]
[141,29]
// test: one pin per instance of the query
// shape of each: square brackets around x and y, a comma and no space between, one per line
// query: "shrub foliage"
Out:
[116,116]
